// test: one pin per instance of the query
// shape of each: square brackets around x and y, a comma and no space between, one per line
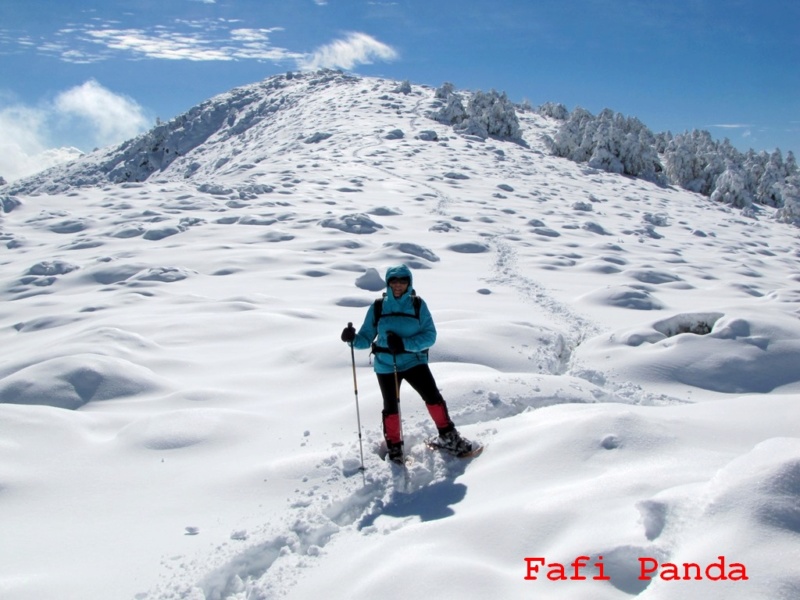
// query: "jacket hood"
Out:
[400,271]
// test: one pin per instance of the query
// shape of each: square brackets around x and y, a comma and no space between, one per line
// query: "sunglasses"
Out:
[404,280]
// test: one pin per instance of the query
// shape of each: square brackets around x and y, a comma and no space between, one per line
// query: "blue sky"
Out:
[87,73]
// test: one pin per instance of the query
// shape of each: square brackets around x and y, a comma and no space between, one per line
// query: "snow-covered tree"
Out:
[574,138]
[554,110]
[486,115]
[662,140]
[452,113]
[754,165]
[526,106]
[790,191]
[404,88]
[768,188]
[791,164]
[692,161]
[640,156]
[444,92]
[492,115]
[606,144]
[610,142]
[731,188]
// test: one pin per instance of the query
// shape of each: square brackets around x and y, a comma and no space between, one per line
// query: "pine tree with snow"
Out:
[609,142]
[754,165]
[445,91]
[554,110]
[486,115]
[731,188]
[692,162]
[497,113]
[452,113]
[791,164]
[491,115]
[606,144]
[790,192]
[574,138]
[662,140]
[641,157]
[404,88]
[768,189]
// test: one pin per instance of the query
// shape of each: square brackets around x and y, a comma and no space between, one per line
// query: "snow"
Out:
[177,412]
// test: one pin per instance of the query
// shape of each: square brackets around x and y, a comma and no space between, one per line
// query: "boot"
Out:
[395,452]
[455,444]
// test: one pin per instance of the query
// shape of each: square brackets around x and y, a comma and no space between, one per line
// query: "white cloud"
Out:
[744,130]
[166,45]
[357,48]
[24,145]
[250,35]
[100,117]
[112,117]
[204,40]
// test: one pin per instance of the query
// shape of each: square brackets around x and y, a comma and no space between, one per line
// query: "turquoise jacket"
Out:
[418,334]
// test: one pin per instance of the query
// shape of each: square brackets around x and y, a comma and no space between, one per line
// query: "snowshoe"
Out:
[452,443]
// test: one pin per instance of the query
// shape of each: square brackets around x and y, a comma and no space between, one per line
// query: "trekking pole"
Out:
[397,396]
[406,477]
[362,468]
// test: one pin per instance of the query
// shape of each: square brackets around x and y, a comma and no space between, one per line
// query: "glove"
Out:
[349,333]
[395,343]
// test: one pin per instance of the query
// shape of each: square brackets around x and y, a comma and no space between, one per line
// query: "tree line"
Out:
[692,160]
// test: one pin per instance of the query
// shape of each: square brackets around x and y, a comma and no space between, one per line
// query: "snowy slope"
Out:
[177,414]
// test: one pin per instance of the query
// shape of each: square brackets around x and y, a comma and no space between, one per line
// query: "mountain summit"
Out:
[228,137]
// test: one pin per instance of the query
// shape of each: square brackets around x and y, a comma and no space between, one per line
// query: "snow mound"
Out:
[181,429]
[624,296]
[74,381]
[740,352]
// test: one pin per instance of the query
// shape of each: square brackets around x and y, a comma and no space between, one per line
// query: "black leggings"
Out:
[420,378]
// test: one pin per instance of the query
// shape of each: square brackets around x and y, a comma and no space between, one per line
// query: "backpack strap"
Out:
[377,309]
[377,313]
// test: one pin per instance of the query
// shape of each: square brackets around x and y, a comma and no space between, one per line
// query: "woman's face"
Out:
[399,285]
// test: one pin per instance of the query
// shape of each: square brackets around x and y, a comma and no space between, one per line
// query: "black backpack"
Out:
[377,313]
[377,309]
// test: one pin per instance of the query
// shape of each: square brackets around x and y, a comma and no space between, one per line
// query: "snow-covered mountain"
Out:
[227,136]
[177,412]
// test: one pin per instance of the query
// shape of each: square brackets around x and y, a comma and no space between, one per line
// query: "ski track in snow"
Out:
[341,499]
[577,328]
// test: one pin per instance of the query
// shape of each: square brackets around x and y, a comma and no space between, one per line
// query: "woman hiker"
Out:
[399,329]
